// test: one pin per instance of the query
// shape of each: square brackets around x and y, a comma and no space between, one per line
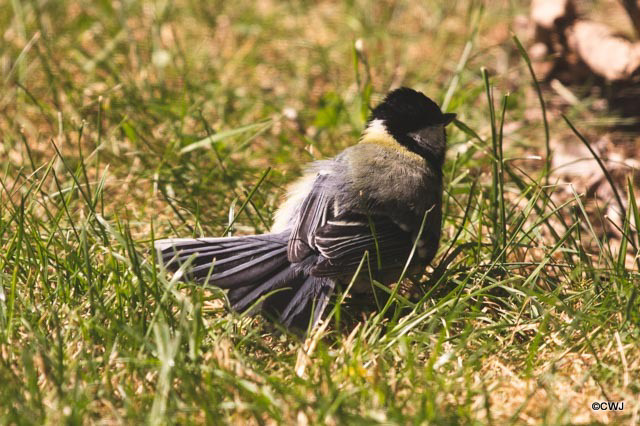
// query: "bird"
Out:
[381,196]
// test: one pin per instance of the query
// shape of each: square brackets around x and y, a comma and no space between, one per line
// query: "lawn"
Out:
[124,122]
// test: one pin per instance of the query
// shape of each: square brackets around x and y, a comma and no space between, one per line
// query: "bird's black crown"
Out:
[406,113]
[407,110]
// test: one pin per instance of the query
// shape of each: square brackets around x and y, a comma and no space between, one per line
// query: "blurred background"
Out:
[146,79]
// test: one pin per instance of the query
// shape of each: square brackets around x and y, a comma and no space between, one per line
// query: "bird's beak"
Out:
[449,117]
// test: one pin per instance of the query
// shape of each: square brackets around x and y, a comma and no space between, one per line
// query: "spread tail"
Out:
[251,267]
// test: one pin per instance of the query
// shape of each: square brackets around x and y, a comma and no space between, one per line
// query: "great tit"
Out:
[373,197]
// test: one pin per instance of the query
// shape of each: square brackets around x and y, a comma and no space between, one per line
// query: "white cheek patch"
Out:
[377,131]
[376,126]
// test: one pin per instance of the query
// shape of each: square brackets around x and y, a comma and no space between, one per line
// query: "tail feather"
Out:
[177,251]
[226,262]
[242,297]
[250,267]
[322,299]
[305,299]
[244,272]
[216,251]
[222,261]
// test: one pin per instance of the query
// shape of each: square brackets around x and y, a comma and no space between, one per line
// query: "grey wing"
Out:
[340,239]
[343,240]
[312,214]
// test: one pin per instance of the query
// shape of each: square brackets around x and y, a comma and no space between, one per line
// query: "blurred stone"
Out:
[538,51]
[608,55]
[546,13]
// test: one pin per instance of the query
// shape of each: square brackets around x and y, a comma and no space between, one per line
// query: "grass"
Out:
[125,122]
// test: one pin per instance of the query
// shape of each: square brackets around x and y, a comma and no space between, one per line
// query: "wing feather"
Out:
[342,246]
[339,239]
[313,214]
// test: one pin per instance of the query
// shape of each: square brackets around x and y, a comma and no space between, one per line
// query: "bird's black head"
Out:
[416,122]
